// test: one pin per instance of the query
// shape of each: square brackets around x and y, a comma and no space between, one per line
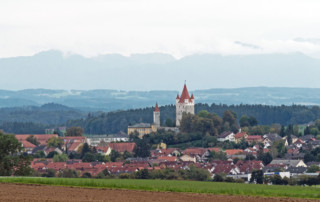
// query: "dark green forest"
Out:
[114,122]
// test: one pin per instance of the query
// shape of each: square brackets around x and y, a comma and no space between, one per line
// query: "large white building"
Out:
[184,104]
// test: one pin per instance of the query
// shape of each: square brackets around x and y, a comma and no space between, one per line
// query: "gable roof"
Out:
[233,151]
[123,146]
[272,137]
[225,134]
[27,144]
[194,151]
[223,168]
[254,137]
[288,162]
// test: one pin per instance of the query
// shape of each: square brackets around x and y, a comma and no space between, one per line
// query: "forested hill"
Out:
[50,114]
[113,122]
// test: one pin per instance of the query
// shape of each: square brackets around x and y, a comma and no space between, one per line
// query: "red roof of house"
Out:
[42,138]
[167,158]
[233,151]
[184,95]
[240,135]
[192,96]
[223,168]
[27,144]
[123,146]
[215,149]
[194,151]
[74,146]
[74,138]
[103,149]
[156,109]
[177,97]
[254,137]
[249,166]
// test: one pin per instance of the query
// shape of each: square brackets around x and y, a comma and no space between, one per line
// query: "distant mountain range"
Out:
[54,70]
[112,100]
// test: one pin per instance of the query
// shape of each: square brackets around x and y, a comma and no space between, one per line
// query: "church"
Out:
[184,104]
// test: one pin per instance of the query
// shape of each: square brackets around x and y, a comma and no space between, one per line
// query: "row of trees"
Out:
[250,115]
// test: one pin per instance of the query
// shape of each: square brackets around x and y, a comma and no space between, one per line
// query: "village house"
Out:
[269,139]
[121,147]
[240,136]
[254,139]
[104,150]
[95,140]
[201,154]
[226,136]
[288,163]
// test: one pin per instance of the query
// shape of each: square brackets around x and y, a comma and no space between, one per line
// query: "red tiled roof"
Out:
[184,95]
[249,166]
[42,138]
[192,96]
[74,146]
[27,144]
[233,151]
[194,151]
[156,109]
[177,97]
[123,146]
[221,162]
[167,158]
[215,149]
[103,149]
[240,135]
[254,137]
[223,168]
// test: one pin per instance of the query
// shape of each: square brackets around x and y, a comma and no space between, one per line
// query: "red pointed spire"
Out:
[178,96]
[156,109]
[184,95]
[192,98]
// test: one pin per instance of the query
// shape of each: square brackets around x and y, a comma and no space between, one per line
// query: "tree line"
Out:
[113,122]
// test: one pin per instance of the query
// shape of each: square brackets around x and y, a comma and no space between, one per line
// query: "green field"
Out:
[176,186]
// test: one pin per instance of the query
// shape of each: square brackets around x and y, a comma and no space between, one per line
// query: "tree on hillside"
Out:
[75,131]
[282,131]
[244,121]
[230,121]
[253,121]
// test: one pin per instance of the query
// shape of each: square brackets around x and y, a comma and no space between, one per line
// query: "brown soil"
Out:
[21,192]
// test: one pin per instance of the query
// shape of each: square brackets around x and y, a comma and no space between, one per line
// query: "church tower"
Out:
[184,104]
[156,116]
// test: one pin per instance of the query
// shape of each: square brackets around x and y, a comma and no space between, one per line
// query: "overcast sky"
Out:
[93,27]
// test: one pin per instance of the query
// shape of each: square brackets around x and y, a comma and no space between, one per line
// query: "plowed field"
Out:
[22,192]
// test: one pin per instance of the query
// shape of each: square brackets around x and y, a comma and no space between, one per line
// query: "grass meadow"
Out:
[176,186]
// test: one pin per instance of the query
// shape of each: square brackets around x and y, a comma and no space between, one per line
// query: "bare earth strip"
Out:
[22,192]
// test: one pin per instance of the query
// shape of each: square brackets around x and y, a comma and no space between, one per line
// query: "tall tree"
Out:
[11,159]
[75,131]
[33,140]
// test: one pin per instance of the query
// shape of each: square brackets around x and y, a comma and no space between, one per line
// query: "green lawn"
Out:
[176,186]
